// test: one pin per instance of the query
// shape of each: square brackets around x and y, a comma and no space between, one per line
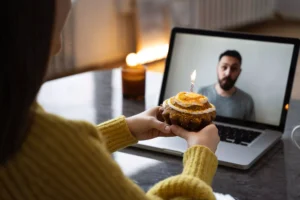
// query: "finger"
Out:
[159,115]
[160,126]
[161,109]
[166,134]
[156,133]
[152,111]
[179,131]
[209,128]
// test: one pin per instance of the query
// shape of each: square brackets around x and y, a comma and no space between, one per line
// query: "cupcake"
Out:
[189,110]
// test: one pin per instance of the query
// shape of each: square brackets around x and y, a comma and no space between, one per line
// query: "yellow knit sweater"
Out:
[65,159]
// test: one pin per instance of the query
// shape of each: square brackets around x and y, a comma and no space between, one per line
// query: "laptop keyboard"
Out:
[236,135]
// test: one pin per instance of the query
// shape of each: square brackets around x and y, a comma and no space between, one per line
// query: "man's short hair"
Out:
[232,53]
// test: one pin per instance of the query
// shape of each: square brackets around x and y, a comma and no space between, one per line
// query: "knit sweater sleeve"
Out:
[200,165]
[107,181]
[116,134]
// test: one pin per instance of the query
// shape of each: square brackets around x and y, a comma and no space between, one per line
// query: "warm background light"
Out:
[148,55]
[132,60]
[287,106]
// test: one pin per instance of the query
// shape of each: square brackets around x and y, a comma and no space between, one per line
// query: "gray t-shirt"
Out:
[239,105]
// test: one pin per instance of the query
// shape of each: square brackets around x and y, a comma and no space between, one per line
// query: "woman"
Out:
[44,156]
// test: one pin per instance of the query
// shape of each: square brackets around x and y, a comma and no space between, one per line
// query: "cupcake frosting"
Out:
[190,103]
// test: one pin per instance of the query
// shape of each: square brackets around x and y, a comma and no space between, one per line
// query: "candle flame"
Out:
[132,60]
[193,76]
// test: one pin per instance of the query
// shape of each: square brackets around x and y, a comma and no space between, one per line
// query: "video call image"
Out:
[244,79]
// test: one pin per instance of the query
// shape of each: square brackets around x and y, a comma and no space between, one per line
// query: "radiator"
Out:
[222,14]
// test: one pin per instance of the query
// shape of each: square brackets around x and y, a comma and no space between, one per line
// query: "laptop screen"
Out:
[245,79]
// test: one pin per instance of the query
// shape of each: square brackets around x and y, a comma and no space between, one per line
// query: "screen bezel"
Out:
[245,36]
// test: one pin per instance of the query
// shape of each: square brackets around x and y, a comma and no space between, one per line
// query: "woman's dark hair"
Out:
[26,43]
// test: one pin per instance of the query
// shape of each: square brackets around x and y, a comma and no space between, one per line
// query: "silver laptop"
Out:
[249,78]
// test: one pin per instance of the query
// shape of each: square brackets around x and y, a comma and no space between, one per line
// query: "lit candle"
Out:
[193,78]
[133,78]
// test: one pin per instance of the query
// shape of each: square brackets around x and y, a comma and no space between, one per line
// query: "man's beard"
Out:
[227,83]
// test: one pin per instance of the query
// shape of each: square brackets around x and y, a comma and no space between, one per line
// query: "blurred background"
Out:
[100,34]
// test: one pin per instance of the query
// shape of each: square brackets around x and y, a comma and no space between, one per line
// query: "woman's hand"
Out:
[145,125]
[208,136]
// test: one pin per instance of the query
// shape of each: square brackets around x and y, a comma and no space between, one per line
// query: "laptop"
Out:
[251,116]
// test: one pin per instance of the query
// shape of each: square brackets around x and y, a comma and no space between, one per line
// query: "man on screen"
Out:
[229,100]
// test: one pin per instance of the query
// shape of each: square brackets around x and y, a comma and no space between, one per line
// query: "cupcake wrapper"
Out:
[187,121]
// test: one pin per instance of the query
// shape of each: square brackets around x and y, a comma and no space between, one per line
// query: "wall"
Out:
[264,69]
[220,14]
[289,8]
[102,34]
